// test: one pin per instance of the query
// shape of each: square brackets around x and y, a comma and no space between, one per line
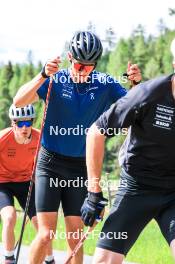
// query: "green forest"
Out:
[151,53]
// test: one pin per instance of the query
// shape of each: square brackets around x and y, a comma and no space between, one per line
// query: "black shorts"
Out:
[19,190]
[60,179]
[131,213]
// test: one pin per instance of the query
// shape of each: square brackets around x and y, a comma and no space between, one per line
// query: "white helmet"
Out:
[27,111]
[173,49]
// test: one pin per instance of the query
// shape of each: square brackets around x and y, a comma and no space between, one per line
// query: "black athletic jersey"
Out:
[148,153]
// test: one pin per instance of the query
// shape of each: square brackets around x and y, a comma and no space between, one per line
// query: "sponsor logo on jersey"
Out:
[164,117]
[92,96]
[67,91]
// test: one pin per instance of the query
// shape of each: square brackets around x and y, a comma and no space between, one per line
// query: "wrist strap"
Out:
[43,73]
[95,197]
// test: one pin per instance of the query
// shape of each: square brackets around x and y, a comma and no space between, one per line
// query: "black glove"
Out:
[92,208]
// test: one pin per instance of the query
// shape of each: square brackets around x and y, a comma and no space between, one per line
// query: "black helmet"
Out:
[86,47]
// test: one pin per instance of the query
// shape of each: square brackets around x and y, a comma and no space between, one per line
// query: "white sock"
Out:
[9,253]
[49,258]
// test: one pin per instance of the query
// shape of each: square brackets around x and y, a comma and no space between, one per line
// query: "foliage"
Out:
[151,53]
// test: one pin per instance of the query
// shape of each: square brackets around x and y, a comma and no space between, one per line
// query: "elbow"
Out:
[94,133]
[94,143]
[16,101]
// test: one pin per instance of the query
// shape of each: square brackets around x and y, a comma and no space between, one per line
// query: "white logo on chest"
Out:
[164,116]
[92,96]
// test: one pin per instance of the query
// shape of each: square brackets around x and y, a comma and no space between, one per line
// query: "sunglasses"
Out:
[27,123]
[80,67]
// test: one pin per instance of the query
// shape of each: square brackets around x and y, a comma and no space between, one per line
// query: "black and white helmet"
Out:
[86,47]
[16,113]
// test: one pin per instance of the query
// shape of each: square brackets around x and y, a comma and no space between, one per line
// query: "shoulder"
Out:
[5,132]
[60,77]
[148,91]
[99,76]
[158,84]
[104,78]
[35,132]
[110,83]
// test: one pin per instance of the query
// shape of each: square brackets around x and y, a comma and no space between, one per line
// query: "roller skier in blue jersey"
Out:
[78,97]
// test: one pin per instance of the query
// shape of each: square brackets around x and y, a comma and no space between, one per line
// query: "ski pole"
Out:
[33,170]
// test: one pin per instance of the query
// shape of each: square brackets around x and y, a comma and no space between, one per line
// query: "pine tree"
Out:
[118,59]
[5,98]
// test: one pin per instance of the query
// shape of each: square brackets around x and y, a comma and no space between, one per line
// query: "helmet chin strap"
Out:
[29,137]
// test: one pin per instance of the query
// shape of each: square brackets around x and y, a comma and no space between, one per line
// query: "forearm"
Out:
[94,157]
[27,94]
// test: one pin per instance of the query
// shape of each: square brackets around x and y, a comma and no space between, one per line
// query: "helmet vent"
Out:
[86,47]
[22,110]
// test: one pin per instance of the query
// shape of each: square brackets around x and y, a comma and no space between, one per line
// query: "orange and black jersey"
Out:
[16,160]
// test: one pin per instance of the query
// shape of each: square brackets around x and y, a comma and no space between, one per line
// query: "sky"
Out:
[43,26]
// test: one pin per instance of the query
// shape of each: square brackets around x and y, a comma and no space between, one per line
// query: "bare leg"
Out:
[49,250]
[8,215]
[172,246]
[103,256]
[47,223]
[74,225]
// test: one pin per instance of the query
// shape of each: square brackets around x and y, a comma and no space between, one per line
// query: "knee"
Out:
[45,236]
[35,222]
[103,256]
[73,238]
[9,220]
[172,246]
